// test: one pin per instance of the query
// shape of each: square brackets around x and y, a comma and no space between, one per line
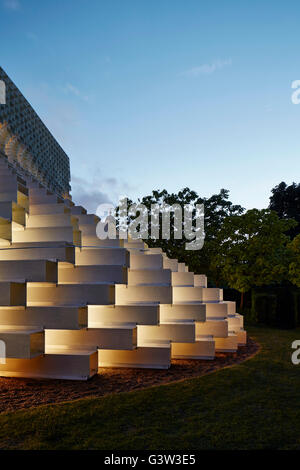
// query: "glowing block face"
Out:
[106,337]
[143,294]
[203,348]
[72,318]
[193,312]
[22,342]
[12,293]
[60,364]
[36,270]
[216,328]
[99,315]
[179,332]
[229,344]
[48,294]
[146,357]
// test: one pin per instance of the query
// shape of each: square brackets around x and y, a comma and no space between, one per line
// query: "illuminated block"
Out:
[152,356]
[37,251]
[216,310]
[140,262]
[218,328]
[179,332]
[193,311]
[142,294]
[229,344]
[235,321]
[45,234]
[181,279]
[241,337]
[211,294]
[148,276]
[68,273]
[121,336]
[203,348]
[110,314]
[45,317]
[200,280]
[170,264]
[60,364]
[231,307]
[48,294]
[187,294]
[105,256]
[36,270]
[22,342]
[134,244]
[12,293]
[43,209]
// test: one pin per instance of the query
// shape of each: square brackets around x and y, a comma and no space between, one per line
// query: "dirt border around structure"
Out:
[16,394]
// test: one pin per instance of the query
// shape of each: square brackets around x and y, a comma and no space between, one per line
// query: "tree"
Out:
[294,267]
[216,209]
[252,250]
[285,200]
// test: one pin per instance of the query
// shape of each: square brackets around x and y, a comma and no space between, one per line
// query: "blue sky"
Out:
[155,94]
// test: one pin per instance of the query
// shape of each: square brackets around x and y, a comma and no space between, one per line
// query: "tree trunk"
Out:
[242,301]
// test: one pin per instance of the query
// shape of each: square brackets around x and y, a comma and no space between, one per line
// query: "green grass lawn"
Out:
[255,405]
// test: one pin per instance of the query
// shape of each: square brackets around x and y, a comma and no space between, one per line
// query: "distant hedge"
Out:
[276,306]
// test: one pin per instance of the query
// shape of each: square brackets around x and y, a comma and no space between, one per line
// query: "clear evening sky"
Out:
[153,94]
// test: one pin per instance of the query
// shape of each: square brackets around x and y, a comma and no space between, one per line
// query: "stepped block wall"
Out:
[72,304]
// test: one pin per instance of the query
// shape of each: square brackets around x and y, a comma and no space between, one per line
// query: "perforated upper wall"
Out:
[29,132]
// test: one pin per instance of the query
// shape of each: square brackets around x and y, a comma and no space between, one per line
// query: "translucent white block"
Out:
[37,251]
[200,280]
[110,314]
[235,321]
[241,337]
[181,268]
[140,261]
[43,209]
[170,263]
[45,317]
[203,348]
[142,294]
[149,276]
[60,364]
[51,220]
[231,307]
[181,279]
[136,244]
[185,311]
[212,294]
[152,356]
[94,241]
[216,310]
[12,293]
[68,273]
[105,256]
[47,294]
[107,337]
[22,342]
[229,344]
[179,332]
[44,234]
[218,328]
[187,294]
[29,270]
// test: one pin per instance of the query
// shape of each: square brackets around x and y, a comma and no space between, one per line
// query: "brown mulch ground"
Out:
[26,393]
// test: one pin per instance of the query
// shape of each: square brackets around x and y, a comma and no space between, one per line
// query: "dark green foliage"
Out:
[285,200]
